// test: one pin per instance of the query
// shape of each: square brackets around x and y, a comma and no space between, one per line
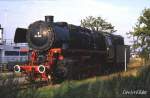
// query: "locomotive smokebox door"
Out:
[40,35]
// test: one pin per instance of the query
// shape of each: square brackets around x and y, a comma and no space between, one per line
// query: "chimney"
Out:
[49,19]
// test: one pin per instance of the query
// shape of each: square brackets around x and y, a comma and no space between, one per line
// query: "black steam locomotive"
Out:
[82,51]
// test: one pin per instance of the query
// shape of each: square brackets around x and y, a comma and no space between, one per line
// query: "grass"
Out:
[112,88]
[90,88]
[8,87]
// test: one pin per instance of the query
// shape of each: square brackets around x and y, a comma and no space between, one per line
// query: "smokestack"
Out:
[49,19]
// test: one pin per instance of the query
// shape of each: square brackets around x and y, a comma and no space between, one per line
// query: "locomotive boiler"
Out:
[62,51]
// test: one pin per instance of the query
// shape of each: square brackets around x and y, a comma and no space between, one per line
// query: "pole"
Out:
[125,57]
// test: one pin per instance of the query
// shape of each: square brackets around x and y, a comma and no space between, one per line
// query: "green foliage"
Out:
[28,93]
[97,24]
[142,34]
[8,87]
[112,88]
[11,88]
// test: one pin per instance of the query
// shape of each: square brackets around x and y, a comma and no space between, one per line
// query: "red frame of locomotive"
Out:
[32,69]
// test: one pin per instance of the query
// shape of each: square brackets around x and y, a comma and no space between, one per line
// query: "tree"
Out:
[141,33]
[97,24]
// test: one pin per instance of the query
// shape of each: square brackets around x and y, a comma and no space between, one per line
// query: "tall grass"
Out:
[8,87]
[110,88]
[116,87]
[11,88]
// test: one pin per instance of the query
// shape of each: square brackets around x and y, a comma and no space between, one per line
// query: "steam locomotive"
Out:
[59,50]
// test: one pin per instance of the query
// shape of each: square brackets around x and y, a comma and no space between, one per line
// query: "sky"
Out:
[123,14]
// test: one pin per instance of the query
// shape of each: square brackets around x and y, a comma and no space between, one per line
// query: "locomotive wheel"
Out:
[63,70]
[59,72]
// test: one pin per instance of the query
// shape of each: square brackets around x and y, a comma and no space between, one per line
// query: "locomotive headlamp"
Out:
[45,33]
[41,69]
[17,68]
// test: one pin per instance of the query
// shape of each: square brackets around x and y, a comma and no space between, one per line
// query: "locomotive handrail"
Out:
[86,51]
